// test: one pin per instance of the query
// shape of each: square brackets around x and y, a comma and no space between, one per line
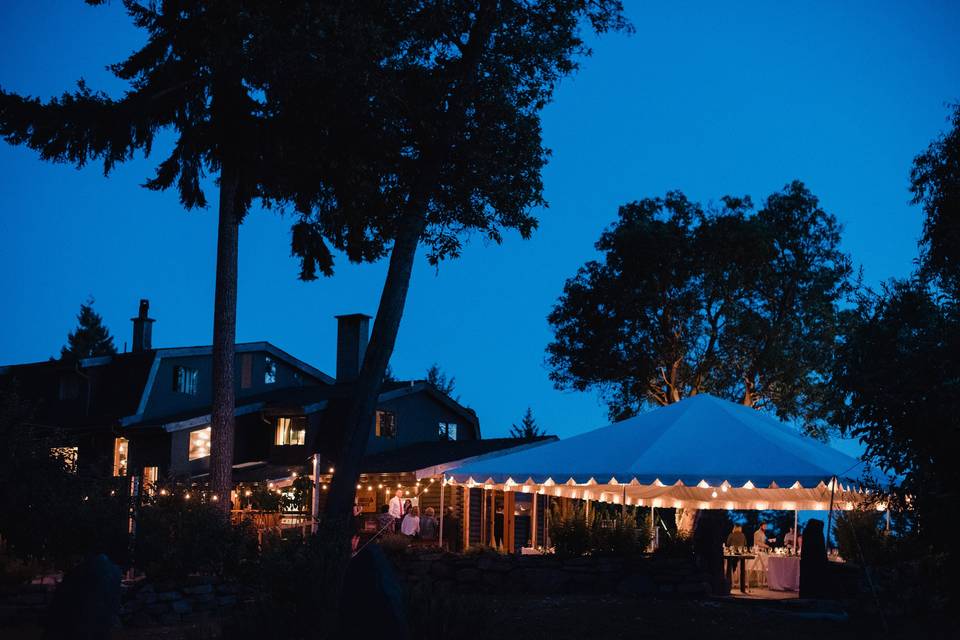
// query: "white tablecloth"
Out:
[783,573]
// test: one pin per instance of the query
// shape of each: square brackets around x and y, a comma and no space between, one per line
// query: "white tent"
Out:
[702,453]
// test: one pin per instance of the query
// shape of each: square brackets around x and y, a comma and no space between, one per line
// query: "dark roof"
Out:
[120,380]
[423,455]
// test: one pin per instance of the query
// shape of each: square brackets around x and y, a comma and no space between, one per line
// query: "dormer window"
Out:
[269,370]
[291,431]
[185,380]
[386,426]
[447,430]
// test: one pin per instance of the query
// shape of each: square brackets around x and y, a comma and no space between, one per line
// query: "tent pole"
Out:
[443,482]
[796,532]
[483,518]
[833,486]
[533,520]
[656,529]
[623,504]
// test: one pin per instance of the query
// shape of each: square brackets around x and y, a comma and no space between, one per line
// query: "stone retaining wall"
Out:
[491,572]
[24,604]
[147,604]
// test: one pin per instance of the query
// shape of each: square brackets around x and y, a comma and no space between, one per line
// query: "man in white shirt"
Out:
[760,538]
[396,508]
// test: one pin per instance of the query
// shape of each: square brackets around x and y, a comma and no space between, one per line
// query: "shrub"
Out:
[14,571]
[860,538]
[394,542]
[570,534]
[620,536]
[178,536]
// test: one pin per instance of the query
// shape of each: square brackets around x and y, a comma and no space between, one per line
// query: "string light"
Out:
[330,470]
[324,487]
[186,496]
[248,493]
[214,497]
[163,492]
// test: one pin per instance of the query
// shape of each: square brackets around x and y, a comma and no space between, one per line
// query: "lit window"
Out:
[199,444]
[447,431]
[121,450]
[291,431]
[185,380]
[386,426]
[67,455]
[269,370]
[150,477]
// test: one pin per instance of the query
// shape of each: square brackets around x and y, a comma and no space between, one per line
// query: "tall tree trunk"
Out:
[224,341]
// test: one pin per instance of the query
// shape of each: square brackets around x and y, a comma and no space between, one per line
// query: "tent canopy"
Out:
[697,452]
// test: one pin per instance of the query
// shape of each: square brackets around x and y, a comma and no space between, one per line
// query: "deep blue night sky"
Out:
[704,98]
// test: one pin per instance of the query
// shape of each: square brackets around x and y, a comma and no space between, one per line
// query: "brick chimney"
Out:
[353,331]
[142,329]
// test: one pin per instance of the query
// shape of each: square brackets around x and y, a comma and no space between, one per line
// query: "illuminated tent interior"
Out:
[702,453]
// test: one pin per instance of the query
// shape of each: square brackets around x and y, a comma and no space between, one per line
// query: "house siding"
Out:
[418,418]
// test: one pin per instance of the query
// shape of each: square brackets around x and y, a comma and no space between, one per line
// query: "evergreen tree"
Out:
[90,338]
[440,381]
[528,429]
[193,77]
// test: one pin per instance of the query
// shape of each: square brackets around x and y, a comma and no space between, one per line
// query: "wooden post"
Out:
[483,516]
[443,481]
[833,485]
[509,520]
[465,506]
[796,532]
[533,519]
[315,497]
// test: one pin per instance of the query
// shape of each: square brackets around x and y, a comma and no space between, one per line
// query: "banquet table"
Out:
[732,560]
[783,573]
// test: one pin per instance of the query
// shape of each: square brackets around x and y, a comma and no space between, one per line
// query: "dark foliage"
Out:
[935,184]
[178,533]
[440,381]
[899,374]
[724,300]
[47,511]
[90,338]
[528,429]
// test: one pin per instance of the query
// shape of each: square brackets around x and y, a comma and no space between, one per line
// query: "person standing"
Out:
[451,531]
[760,539]
[396,509]
[736,539]
[428,526]
[411,523]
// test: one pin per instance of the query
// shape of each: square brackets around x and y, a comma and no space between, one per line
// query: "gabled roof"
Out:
[399,388]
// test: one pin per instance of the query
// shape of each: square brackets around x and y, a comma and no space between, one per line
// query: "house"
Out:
[146,413]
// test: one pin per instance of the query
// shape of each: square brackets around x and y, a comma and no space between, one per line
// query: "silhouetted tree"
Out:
[90,338]
[528,429]
[721,300]
[438,134]
[193,76]
[440,381]
[935,183]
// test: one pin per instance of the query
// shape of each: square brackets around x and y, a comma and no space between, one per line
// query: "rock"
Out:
[373,596]
[170,618]
[181,606]
[168,596]
[543,580]
[441,570]
[468,575]
[87,601]
[226,601]
[691,588]
[637,585]
[198,589]
[158,608]
[142,619]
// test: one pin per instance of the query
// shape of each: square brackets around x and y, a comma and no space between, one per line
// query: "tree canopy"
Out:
[439,379]
[528,429]
[721,299]
[91,338]
[935,184]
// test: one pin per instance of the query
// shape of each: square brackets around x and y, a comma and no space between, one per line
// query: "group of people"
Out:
[761,540]
[402,516]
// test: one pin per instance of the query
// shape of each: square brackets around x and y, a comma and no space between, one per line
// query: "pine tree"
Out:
[440,381]
[528,428]
[91,338]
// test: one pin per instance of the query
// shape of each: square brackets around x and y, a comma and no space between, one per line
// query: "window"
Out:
[386,426]
[69,387]
[291,431]
[448,431]
[246,371]
[199,444]
[121,449]
[68,455]
[185,380]
[150,477]
[269,370]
